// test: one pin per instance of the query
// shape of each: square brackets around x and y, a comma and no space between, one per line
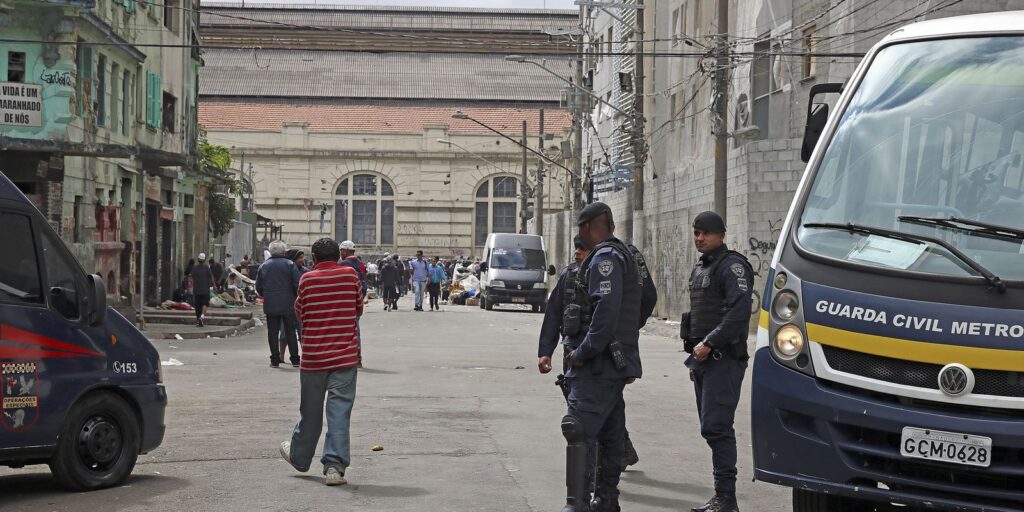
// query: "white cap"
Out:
[202,256]
[348,245]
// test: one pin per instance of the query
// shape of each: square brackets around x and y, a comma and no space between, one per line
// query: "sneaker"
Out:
[295,365]
[275,365]
[334,477]
[285,449]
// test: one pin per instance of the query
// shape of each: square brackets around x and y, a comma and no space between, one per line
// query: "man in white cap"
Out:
[202,279]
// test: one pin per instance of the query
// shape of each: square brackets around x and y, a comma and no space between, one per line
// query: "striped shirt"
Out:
[328,304]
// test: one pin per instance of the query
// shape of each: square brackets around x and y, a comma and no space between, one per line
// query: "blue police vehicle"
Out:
[889,373]
[80,387]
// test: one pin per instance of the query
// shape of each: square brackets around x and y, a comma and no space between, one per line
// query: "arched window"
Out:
[364,210]
[497,207]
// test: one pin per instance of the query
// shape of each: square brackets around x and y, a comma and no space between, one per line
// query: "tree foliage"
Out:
[222,214]
[215,162]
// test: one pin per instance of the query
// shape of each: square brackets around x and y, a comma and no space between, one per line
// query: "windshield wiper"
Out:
[993,280]
[973,227]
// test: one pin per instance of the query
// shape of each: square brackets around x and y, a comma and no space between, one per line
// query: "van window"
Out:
[19,271]
[516,258]
[61,278]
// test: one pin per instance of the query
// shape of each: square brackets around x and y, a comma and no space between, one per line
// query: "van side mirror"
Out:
[98,303]
[483,267]
[817,117]
[552,270]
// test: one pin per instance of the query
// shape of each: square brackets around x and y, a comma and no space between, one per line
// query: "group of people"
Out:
[596,311]
[426,278]
[206,277]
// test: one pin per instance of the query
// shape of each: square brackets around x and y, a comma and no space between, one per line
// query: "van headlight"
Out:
[789,342]
[497,283]
[785,305]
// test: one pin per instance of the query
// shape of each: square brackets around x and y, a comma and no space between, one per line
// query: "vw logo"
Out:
[956,380]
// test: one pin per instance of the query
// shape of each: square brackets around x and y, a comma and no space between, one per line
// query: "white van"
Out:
[514,271]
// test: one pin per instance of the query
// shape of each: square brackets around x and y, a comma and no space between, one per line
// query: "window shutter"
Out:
[149,99]
[158,98]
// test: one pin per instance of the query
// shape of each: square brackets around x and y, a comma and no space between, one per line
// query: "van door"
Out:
[46,355]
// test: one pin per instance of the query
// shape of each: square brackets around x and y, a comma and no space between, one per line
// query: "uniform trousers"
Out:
[598,404]
[718,383]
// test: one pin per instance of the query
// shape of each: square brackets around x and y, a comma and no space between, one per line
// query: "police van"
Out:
[80,387]
[889,368]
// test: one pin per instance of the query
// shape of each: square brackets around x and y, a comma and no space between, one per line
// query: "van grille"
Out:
[919,375]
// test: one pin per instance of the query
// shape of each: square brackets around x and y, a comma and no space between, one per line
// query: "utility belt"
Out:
[614,349]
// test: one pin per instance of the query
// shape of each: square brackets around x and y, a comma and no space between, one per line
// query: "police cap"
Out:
[593,211]
[710,222]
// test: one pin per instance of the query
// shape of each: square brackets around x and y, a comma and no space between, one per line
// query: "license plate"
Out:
[519,299]
[920,443]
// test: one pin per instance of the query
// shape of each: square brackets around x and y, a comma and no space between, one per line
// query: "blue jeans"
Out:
[340,388]
[418,287]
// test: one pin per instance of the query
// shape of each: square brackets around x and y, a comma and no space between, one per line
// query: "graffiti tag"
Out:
[57,78]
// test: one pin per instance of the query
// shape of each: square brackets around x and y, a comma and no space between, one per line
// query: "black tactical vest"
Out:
[575,304]
[707,302]
[627,330]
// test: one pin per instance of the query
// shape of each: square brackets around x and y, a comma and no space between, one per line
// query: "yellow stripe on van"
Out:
[762,322]
[934,353]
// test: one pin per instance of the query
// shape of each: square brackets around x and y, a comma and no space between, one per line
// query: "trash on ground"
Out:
[172,362]
[377,448]
[259,323]
[178,337]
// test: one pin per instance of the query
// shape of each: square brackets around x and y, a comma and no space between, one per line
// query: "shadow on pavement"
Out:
[375,371]
[691,490]
[371,490]
[21,489]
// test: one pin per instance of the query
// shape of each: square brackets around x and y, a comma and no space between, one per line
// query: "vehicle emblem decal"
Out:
[19,395]
[956,380]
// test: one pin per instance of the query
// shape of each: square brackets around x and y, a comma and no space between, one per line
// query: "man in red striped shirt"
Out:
[328,303]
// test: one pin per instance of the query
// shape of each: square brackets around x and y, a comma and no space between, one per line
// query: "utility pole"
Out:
[578,106]
[142,248]
[540,180]
[721,103]
[523,204]
[639,144]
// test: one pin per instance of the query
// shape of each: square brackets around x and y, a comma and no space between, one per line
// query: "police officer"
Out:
[715,334]
[605,360]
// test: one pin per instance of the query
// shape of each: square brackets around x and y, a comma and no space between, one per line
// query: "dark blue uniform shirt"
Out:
[605,292]
[551,329]
[735,278]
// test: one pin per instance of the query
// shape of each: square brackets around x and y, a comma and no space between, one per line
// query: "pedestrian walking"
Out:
[598,369]
[420,276]
[328,302]
[277,281]
[715,334]
[347,250]
[437,276]
[202,280]
[299,259]
[390,277]
[217,271]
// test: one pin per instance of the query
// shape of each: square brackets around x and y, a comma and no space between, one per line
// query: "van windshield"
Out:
[517,258]
[930,145]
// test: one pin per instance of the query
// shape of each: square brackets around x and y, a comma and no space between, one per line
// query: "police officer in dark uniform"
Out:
[715,334]
[606,358]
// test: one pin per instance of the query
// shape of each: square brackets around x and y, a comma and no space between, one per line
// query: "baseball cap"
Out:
[202,256]
[348,245]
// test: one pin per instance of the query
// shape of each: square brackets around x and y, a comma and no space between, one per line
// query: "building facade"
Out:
[780,49]
[99,130]
[335,140]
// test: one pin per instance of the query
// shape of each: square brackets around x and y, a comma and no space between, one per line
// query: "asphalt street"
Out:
[454,397]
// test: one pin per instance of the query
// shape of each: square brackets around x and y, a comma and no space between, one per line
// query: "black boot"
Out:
[720,502]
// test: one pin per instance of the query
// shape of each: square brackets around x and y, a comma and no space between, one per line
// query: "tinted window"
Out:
[61,274]
[19,271]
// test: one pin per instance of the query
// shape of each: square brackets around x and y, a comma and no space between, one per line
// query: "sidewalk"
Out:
[183,323]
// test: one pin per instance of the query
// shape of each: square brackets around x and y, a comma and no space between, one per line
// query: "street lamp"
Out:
[450,143]
[462,115]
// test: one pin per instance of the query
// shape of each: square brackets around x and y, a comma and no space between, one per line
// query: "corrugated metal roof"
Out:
[364,75]
[263,115]
[390,18]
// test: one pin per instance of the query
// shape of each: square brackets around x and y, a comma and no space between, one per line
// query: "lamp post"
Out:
[462,115]
[450,143]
